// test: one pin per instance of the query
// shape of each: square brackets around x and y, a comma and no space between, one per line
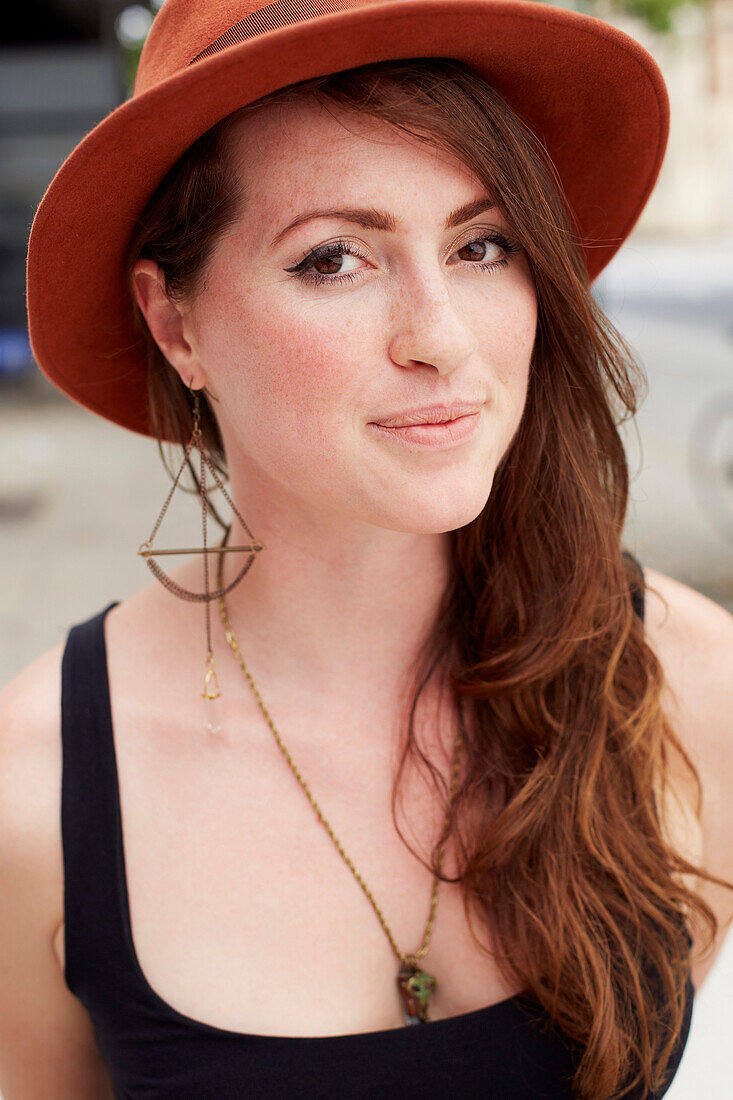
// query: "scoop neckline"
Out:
[509,1004]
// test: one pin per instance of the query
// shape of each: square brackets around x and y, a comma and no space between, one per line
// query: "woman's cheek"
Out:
[318,366]
[515,338]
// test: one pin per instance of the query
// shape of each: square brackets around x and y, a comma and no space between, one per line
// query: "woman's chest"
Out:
[244,913]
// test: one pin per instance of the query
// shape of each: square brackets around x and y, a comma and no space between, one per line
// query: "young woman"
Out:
[342,254]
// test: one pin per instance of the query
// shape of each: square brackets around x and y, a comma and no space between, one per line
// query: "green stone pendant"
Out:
[415,985]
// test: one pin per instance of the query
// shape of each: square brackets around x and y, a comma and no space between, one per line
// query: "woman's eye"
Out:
[329,263]
[325,265]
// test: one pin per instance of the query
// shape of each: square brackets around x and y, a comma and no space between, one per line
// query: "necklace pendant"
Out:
[415,985]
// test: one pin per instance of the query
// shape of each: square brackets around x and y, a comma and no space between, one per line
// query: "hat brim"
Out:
[591,93]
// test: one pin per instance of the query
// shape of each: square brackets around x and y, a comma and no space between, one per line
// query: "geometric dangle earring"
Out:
[212,719]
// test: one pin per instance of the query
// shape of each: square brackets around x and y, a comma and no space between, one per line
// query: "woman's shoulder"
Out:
[31,757]
[30,787]
[30,716]
[30,703]
[692,636]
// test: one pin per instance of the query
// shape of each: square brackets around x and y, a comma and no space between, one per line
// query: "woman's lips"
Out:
[439,436]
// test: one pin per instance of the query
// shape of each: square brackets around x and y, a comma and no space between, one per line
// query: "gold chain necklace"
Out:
[415,985]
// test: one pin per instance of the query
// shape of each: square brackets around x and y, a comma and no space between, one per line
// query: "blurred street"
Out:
[673,301]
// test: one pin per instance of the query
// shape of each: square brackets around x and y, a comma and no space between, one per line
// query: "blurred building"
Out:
[60,73]
[720,47]
[693,193]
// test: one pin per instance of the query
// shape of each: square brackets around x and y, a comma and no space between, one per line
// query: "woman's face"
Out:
[303,354]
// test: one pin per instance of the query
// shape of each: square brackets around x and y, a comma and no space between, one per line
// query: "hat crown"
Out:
[186,32]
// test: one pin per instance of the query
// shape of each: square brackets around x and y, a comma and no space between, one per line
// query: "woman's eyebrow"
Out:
[370,218]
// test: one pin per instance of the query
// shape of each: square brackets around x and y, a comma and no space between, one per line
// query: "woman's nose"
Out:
[432,323]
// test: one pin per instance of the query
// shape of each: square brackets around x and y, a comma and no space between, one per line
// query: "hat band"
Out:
[273,16]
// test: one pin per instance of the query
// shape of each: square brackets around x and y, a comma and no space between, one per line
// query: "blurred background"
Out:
[78,495]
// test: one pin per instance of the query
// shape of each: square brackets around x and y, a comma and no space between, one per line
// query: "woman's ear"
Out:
[164,318]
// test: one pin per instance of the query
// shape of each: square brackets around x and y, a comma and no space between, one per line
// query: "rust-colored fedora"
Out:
[593,94]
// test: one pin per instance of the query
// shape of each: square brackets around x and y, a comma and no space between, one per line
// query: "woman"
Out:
[309,262]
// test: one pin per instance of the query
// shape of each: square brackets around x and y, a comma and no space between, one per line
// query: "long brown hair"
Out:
[566,863]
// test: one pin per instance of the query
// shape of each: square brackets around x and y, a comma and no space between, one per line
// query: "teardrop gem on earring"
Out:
[212,698]
[211,682]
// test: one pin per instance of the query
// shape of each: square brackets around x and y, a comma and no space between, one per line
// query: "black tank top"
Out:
[509,1050]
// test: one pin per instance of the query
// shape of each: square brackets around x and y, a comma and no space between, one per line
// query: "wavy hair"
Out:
[583,896]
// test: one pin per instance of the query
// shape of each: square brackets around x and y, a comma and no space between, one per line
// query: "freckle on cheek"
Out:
[315,365]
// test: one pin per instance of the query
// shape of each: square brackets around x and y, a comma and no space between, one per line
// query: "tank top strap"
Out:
[93,938]
[636,584]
